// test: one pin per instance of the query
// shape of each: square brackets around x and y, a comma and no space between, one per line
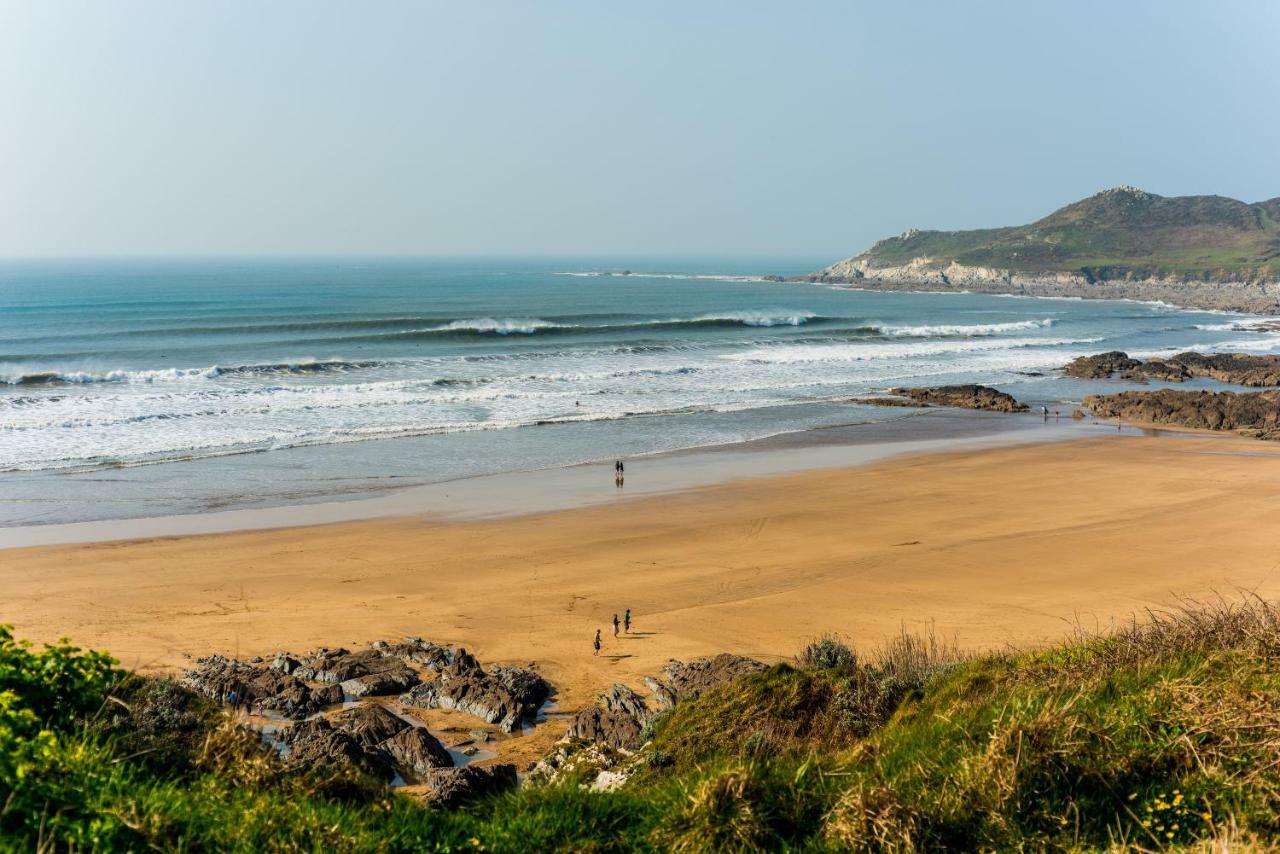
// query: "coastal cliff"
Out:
[1124,243]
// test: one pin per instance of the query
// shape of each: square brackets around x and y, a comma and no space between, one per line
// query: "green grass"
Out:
[1162,735]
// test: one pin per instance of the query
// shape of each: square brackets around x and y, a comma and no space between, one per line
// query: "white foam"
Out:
[974,330]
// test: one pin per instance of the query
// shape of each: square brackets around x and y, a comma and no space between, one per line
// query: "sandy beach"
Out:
[998,546]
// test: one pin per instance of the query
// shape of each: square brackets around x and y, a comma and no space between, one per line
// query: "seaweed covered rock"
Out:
[504,696]
[968,396]
[1100,366]
[1255,413]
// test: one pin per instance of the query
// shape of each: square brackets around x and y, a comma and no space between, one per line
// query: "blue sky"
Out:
[654,128]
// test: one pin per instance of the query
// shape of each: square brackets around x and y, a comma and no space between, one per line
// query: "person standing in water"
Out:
[626,621]
[596,643]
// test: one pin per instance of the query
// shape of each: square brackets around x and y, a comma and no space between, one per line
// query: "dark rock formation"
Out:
[1159,370]
[370,723]
[503,696]
[416,651]
[1101,366]
[363,673]
[318,743]
[891,401]
[1256,413]
[216,676]
[455,787]
[393,680]
[370,737]
[416,752]
[685,681]
[1236,368]
[963,396]
[618,723]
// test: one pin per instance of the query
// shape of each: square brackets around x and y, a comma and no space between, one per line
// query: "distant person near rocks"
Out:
[596,643]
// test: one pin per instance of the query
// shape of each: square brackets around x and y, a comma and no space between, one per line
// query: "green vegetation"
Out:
[1162,735]
[1117,233]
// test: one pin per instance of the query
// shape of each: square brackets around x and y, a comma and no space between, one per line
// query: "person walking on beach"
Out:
[596,643]
[626,621]
[616,623]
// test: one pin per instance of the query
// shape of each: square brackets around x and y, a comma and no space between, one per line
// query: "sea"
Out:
[135,388]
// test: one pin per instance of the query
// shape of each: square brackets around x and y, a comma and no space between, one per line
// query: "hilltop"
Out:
[1195,251]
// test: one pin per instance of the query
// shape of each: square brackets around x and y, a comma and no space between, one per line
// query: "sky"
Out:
[587,128]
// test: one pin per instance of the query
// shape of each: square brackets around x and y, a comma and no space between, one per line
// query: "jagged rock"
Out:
[504,696]
[391,681]
[1101,366]
[1237,368]
[416,651]
[963,396]
[216,676]
[619,723]
[416,752]
[370,723]
[1158,369]
[370,737]
[319,743]
[285,663]
[685,681]
[1256,413]
[454,787]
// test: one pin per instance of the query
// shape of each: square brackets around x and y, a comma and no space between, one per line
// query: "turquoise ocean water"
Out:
[135,388]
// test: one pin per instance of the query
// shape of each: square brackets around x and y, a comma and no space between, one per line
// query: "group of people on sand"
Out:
[619,472]
[624,623]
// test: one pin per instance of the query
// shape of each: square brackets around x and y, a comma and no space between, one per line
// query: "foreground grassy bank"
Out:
[1166,734]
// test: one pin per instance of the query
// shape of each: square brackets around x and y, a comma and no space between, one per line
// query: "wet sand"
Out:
[997,546]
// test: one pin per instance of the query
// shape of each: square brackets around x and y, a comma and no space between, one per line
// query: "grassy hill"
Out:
[1161,735]
[1117,234]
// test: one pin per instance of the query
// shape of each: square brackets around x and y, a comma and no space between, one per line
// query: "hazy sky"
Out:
[785,128]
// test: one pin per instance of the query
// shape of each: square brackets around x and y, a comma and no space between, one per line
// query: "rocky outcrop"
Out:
[217,676]
[416,753]
[416,651]
[962,396]
[368,737]
[618,722]
[905,402]
[456,787]
[364,673]
[504,696]
[686,680]
[1236,368]
[1101,366]
[1253,413]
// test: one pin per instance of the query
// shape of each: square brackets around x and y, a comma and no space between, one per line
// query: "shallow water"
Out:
[132,389]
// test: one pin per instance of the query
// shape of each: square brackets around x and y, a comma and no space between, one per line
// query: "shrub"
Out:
[828,652]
